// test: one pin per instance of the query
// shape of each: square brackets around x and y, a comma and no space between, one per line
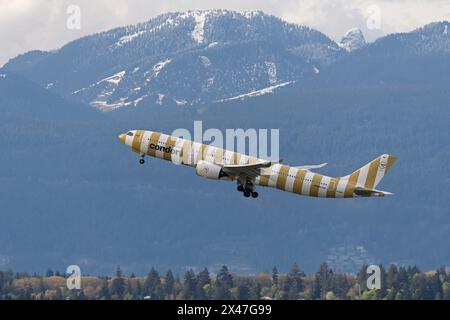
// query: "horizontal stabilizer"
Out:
[364,192]
[313,166]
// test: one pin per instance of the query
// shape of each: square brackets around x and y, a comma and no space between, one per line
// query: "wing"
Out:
[245,170]
[314,166]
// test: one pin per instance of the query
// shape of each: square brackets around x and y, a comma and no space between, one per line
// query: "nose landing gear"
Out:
[142,160]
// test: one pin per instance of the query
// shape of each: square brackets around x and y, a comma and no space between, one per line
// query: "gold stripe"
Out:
[264,180]
[372,174]
[298,182]
[282,177]
[252,160]
[238,157]
[186,152]
[331,192]
[202,152]
[315,185]
[170,143]
[137,139]
[348,193]
[218,156]
[154,138]
[390,162]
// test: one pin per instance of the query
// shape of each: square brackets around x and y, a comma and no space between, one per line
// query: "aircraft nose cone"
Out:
[122,137]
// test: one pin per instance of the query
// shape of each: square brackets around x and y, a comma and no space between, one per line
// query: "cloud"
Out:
[41,24]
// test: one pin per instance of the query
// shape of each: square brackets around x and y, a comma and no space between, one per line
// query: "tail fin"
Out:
[371,174]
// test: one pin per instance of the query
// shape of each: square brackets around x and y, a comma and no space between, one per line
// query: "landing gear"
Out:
[141,161]
[247,189]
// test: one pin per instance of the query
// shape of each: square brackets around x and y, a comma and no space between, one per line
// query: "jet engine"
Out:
[209,170]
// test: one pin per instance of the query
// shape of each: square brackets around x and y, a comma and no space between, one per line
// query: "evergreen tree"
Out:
[104,290]
[118,284]
[392,278]
[316,288]
[294,282]
[203,279]
[224,282]
[168,285]
[275,276]
[381,293]
[255,291]
[152,284]
[243,290]
[138,289]
[325,279]
[189,285]
[435,287]
[404,284]
[49,273]
[2,281]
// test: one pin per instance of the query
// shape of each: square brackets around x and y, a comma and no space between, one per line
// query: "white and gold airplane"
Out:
[219,164]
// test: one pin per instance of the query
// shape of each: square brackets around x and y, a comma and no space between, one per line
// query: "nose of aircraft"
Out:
[122,137]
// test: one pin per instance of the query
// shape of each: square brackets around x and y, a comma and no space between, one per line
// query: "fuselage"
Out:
[279,176]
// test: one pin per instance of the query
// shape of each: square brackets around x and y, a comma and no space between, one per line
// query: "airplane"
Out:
[218,164]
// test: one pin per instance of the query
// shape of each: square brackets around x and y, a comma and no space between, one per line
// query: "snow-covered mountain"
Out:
[199,57]
[353,40]
[181,58]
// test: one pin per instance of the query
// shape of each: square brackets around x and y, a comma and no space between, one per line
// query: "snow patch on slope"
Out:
[180,102]
[257,93]
[249,14]
[152,74]
[160,98]
[111,83]
[114,79]
[206,62]
[128,38]
[198,34]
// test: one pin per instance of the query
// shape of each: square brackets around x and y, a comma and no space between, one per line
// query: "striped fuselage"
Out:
[283,177]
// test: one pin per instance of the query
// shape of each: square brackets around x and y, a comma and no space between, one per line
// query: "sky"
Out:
[43,24]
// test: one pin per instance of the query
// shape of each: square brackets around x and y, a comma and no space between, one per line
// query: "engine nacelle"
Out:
[209,170]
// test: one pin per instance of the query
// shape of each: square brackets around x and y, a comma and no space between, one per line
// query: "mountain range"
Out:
[71,194]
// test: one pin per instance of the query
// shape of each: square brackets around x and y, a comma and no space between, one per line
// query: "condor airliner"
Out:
[219,164]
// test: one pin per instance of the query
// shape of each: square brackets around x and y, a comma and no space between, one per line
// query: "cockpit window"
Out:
[130,134]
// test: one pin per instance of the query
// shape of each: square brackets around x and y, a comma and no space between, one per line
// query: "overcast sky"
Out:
[42,24]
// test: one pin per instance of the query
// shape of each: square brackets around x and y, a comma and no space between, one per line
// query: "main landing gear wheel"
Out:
[247,193]
[255,194]
[240,188]
[141,161]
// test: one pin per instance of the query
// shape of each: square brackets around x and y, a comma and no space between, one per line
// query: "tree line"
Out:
[397,283]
